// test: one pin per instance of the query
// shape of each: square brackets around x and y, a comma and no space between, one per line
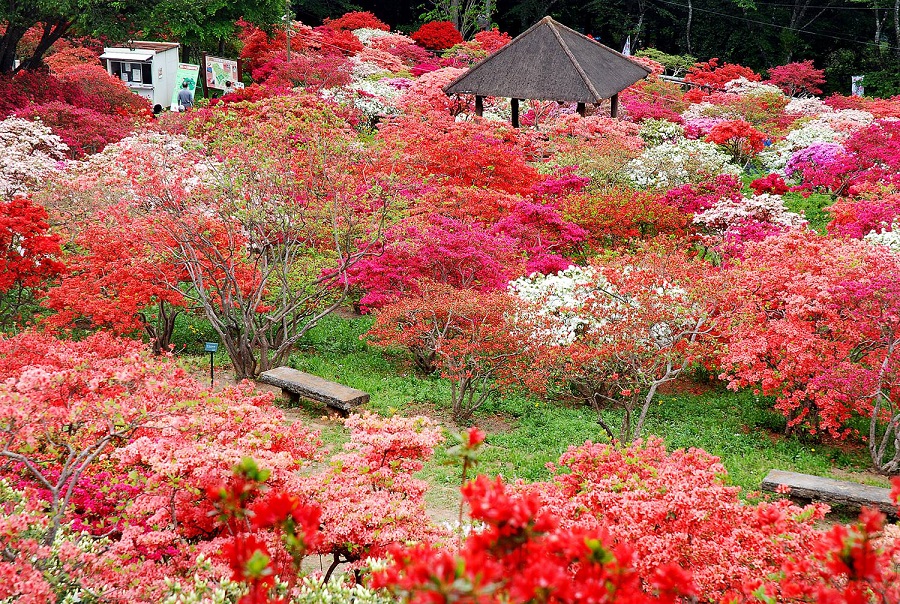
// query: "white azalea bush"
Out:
[807,106]
[311,590]
[658,131]
[728,213]
[847,121]
[889,238]
[776,157]
[744,86]
[554,302]
[679,162]
[706,110]
[29,153]
[367,35]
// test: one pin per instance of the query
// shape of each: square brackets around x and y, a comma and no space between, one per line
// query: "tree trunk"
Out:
[8,43]
[52,33]
[687,28]
[454,14]
[897,28]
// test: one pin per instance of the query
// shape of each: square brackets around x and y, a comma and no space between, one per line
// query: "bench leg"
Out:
[293,397]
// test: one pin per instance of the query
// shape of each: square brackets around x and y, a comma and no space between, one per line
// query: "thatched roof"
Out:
[551,62]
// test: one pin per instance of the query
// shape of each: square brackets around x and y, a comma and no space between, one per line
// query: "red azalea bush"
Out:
[437,35]
[72,57]
[773,183]
[815,325]
[404,49]
[739,139]
[441,250]
[427,92]
[711,76]
[312,71]
[105,93]
[714,75]
[26,88]
[341,40]
[439,150]
[695,198]
[601,487]
[357,20]
[83,130]
[620,215]
[492,40]
[462,333]
[580,538]
[128,421]
[874,208]
[118,277]
[880,108]
[800,78]
[30,256]
[652,98]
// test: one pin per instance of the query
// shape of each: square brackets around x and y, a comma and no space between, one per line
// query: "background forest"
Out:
[845,37]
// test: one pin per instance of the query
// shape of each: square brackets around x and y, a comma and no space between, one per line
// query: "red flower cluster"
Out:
[437,35]
[523,555]
[773,183]
[739,138]
[357,20]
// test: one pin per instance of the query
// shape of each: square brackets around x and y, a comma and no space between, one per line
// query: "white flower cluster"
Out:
[365,69]
[366,35]
[680,162]
[29,153]
[704,110]
[225,591]
[766,207]
[557,301]
[807,106]
[655,132]
[746,87]
[890,238]
[775,158]
[372,97]
[847,120]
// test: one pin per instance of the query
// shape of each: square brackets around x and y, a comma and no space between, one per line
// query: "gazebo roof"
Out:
[551,62]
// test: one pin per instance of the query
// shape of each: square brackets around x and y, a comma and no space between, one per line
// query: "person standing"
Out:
[229,87]
[185,97]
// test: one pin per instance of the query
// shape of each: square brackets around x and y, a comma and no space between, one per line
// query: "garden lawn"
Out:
[525,433]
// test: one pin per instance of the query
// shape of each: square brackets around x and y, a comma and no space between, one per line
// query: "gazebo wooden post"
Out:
[514,103]
[479,105]
[580,109]
[614,105]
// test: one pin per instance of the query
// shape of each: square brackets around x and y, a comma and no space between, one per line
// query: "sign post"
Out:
[217,71]
[211,348]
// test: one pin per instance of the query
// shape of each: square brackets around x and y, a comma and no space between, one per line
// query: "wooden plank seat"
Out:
[295,384]
[830,491]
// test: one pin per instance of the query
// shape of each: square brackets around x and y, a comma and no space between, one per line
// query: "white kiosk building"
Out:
[148,68]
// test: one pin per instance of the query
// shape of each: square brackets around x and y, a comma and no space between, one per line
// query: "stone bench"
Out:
[295,384]
[830,491]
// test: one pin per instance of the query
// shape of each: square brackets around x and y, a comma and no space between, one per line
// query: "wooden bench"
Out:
[830,491]
[295,384]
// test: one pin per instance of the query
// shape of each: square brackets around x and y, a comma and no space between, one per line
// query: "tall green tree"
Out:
[112,18]
[206,25]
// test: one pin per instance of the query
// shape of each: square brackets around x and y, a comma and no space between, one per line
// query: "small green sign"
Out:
[186,73]
[211,346]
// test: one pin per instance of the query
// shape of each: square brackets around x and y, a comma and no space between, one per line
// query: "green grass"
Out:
[812,207]
[526,433]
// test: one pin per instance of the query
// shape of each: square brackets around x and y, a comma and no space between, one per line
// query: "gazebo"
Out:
[550,62]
